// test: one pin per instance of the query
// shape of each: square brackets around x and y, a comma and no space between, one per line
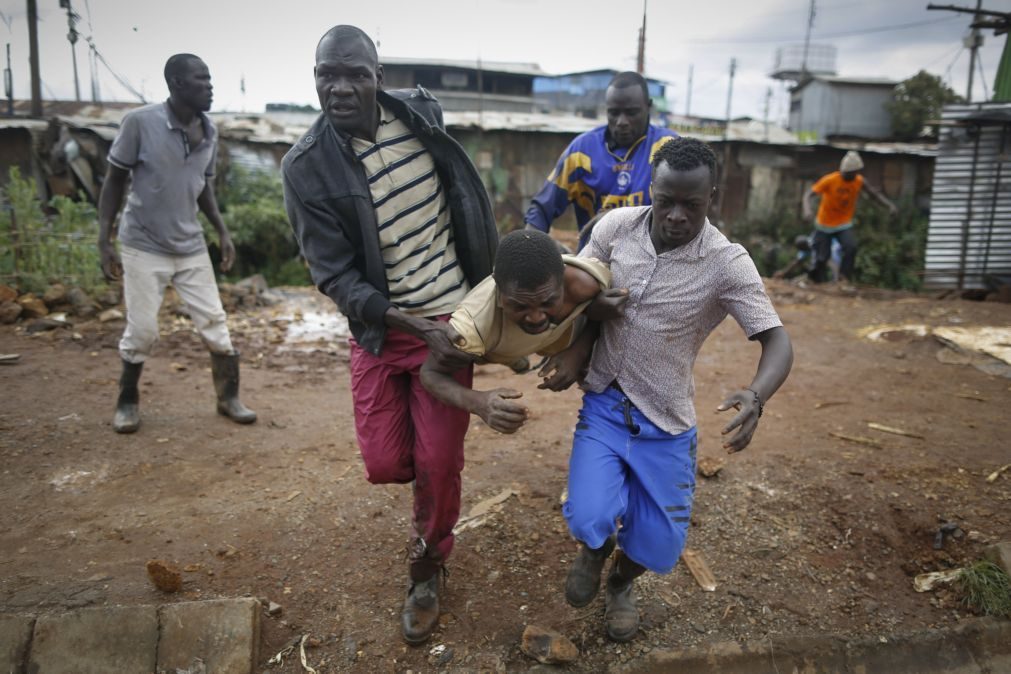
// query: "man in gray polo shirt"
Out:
[633,454]
[168,149]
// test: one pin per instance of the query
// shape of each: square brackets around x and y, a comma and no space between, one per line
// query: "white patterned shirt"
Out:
[676,300]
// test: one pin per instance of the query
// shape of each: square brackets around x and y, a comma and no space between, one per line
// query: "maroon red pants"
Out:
[407,435]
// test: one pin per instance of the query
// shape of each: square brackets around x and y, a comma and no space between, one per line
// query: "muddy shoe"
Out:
[621,617]
[583,581]
[127,417]
[421,611]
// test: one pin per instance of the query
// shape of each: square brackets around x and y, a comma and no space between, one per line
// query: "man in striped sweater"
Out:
[396,226]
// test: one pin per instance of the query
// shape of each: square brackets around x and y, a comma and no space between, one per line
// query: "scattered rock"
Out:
[109,298]
[274,609]
[1000,554]
[164,576]
[547,646]
[44,325]
[7,294]
[32,306]
[110,315]
[10,312]
[711,466]
[54,295]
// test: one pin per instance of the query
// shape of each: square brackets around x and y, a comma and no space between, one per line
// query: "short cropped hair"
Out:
[631,79]
[344,33]
[685,154]
[527,259]
[177,65]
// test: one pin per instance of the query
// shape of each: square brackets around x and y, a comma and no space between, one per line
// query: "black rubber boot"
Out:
[583,581]
[127,417]
[421,608]
[621,617]
[225,368]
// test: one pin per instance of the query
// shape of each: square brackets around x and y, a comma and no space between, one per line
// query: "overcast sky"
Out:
[271,43]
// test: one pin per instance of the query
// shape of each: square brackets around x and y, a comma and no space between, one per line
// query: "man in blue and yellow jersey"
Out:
[606,167]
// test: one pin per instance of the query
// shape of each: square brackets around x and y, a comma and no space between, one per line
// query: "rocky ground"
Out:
[818,527]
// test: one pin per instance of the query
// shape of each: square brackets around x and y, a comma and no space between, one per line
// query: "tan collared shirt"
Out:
[486,333]
[675,300]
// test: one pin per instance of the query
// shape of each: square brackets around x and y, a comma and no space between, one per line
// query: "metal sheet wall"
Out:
[970,207]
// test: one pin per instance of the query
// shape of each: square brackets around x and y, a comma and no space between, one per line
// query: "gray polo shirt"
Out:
[167,177]
[675,300]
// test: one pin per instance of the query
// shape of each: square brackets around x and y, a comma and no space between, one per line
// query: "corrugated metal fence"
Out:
[969,241]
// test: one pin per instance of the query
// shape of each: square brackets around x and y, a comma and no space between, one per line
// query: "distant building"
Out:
[583,93]
[467,85]
[825,107]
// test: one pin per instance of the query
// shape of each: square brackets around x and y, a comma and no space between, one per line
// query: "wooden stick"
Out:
[857,439]
[894,431]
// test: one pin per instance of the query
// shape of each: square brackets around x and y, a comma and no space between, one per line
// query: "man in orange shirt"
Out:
[839,192]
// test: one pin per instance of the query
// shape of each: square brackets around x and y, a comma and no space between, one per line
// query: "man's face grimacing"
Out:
[680,203]
[627,114]
[533,309]
[347,78]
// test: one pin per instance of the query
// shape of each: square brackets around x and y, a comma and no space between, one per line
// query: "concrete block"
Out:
[122,639]
[223,634]
[15,636]
[1000,554]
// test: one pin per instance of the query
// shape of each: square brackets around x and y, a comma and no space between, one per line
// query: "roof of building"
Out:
[527,69]
[854,81]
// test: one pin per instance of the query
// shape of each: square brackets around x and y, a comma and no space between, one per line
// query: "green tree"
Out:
[917,100]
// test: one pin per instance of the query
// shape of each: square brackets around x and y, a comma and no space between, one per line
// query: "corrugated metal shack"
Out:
[969,241]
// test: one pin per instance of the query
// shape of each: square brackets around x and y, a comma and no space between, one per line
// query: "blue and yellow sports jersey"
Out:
[593,178]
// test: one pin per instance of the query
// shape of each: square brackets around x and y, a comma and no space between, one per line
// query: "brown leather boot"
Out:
[127,417]
[225,370]
[583,581]
[421,610]
[621,617]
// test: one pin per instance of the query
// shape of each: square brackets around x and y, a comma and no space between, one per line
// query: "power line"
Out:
[824,36]
[982,78]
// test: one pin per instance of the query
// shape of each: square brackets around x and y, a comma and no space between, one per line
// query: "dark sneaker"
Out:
[583,581]
[421,611]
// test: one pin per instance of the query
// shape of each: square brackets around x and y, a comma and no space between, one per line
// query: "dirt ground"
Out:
[805,532]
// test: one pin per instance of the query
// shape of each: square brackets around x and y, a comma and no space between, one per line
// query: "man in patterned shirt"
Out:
[633,453]
[396,226]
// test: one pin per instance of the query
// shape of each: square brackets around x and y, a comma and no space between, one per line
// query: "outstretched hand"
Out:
[746,420]
[501,413]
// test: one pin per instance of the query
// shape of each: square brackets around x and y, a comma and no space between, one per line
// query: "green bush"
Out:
[890,249]
[37,249]
[252,206]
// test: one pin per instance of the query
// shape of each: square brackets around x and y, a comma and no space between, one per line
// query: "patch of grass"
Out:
[986,589]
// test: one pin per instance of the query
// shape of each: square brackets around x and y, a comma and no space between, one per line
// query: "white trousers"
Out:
[145,277]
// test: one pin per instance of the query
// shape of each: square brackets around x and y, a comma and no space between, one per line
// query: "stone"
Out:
[54,295]
[109,298]
[547,646]
[10,312]
[7,294]
[15,635]
[45,325]
[110,315]
[122,639]
[274,609]
[222,634]
[1000,554]
[710,467]
[166,577]
[32,306]
[77,297]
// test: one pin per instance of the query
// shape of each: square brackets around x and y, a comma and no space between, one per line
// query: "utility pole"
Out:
[974,41]
[9,83]
[688,101]
[33,57]
[730,95]
[72,38]
[640,62]
[768,97]
[807,41]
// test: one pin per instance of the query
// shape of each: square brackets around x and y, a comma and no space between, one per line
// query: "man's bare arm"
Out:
[496,407]
[109,202]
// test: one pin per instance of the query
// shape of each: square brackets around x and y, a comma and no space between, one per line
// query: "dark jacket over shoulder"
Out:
[329,204]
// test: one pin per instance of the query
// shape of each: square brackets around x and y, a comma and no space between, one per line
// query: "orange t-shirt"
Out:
[838,199]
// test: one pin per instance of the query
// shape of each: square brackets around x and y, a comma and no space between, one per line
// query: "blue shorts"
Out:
[624,466]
